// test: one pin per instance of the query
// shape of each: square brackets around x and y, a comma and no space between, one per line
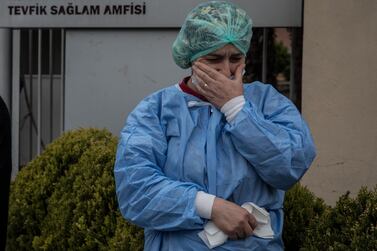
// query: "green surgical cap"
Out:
[208,27]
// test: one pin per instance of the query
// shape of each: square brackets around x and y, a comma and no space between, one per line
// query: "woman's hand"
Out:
[233,220]
[215,86]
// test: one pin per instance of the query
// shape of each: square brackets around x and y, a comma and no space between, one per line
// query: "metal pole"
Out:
[5,66]
[264,55]
[39,137]
[292,80]
[30,71]
[15,101]
[62,85]
[50,61]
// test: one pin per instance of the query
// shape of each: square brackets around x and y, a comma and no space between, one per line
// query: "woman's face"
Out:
[224,60]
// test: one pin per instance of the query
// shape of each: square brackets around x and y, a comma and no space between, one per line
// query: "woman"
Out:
[197,151]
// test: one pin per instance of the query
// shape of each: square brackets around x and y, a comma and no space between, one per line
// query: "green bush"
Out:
[301,210]
[350,225]
[65,198]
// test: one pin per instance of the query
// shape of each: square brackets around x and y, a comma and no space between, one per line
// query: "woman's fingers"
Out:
[242,234]
[249,228]
[217,87]
[203,87]
[232,219]
[252,222]
[205,84]
[239,71]
[203,75]
[212,73]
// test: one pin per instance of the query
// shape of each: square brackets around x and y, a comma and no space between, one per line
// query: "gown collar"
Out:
[185,88]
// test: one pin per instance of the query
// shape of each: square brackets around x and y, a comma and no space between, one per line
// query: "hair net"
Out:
[208,27]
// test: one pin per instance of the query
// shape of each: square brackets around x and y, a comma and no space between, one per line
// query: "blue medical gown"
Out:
[174,145]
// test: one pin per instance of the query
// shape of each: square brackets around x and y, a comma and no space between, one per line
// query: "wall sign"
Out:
[133,14]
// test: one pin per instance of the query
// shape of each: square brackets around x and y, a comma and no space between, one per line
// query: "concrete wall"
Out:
[340,94]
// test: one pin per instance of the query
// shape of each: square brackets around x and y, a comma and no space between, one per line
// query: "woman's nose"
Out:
[224,68]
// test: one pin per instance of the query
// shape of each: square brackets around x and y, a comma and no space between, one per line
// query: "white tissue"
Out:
[213,237]
[263,229]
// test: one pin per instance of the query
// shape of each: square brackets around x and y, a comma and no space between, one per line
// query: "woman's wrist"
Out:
[233,107]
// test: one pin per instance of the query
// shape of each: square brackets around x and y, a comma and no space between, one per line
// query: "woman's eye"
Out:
[213,60]
[235,60]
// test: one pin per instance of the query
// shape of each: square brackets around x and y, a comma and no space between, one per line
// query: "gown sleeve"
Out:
[271,135]
[146,196]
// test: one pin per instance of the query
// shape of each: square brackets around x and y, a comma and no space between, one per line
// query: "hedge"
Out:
[65,200]
[350,225]
[301,209]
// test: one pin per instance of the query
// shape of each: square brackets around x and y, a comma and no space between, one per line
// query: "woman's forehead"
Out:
[226,50]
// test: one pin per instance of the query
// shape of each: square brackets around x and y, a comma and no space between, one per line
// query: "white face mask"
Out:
[194,80]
